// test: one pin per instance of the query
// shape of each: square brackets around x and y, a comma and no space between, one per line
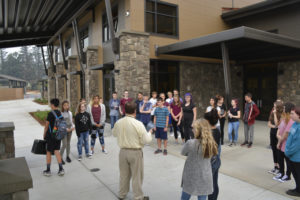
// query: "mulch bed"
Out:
[42,123]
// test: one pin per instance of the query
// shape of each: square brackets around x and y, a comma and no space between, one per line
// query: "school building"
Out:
[200,46]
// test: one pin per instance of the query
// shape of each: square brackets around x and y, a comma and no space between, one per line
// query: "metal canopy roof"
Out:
[262,7]
[244,44]
[11,78]
[35,22]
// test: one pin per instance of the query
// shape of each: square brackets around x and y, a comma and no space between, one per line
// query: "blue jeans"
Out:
[113,120]
[215,166]
[186,196]
[83,139]
[97,133]
[233,126]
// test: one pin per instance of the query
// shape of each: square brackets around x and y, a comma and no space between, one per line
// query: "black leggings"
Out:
[188,130]
[281,158]
[175,127]
[273,142]
[222,124]
[295,168]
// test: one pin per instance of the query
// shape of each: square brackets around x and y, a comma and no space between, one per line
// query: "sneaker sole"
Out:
[47,175]
[61,174]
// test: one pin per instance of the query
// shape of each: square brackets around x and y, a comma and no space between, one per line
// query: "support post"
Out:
[46,71]
[63,51]
[114,40]
[79,53]
[227,77]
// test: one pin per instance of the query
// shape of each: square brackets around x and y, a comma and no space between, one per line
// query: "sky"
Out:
[12,50]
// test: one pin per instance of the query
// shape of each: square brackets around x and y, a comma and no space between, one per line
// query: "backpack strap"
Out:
[56,115]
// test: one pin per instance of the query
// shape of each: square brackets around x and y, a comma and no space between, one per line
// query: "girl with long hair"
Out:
[83,126]
[234,114]
[197,174]
[189,116]
[282,134]
[176,113]
[273,123]
[66,141]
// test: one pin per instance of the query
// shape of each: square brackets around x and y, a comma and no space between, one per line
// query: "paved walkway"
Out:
[244,171]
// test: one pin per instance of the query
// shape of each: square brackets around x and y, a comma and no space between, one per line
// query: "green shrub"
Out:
[41,115]
[41,101]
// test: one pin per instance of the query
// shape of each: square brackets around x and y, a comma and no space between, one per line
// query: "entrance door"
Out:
[261,81]
[109,88]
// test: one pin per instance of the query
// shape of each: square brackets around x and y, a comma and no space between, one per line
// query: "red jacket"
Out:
[253,113]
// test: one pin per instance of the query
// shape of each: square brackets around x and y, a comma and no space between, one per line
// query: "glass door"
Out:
[109,88]
[261,81]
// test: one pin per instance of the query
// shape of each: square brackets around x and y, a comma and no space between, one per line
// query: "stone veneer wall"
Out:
[92,76]
[289,81]
[134,64]
[207,80]
[72,83]
[51,84]
[60,82]
[7,144]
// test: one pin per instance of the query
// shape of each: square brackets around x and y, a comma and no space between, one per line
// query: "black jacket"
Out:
[82,123]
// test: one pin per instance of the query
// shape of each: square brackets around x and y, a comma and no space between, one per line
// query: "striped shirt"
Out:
[161,114]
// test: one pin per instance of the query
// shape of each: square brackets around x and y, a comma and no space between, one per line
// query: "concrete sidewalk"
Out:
[162,173]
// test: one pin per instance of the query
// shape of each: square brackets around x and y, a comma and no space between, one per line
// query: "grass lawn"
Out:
[40,116]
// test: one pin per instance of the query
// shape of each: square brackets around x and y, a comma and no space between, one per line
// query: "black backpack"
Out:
[60,127]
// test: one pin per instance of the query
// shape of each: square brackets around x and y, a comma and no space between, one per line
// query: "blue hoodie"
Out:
[292,148]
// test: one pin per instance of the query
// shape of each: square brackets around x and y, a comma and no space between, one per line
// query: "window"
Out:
[56,56]
[164,75]
[84,37]
[68,48]
[161,18]
[105,27]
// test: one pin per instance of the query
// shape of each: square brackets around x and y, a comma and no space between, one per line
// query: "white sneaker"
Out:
[284,179]
[104,151]
[79,158]
[276,178]
[91,153]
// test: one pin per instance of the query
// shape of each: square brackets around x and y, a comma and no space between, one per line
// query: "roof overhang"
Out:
[243,43]
[257,8]
[37,22]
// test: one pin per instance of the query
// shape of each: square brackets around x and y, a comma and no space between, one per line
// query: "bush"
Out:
[41,101]
[41,115]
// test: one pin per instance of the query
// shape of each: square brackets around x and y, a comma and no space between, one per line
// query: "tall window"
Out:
[164,75]
[84,37]
[105,27]
[56,55]
[68,48]
[161,18]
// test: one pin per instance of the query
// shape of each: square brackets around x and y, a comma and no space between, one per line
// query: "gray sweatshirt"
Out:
[197,175]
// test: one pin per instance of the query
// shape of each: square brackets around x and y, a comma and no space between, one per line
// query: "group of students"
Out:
[159,113]
[285,143]
[89,123]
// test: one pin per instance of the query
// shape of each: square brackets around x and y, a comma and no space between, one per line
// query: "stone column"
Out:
[51,84]
[91,76]
[7,144]
[288,84]
[60,82]
[73,83]
[133,67]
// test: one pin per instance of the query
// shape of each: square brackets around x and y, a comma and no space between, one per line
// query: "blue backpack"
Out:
[60,127]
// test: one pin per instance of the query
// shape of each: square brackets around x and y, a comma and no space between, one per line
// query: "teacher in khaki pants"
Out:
[132,136]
